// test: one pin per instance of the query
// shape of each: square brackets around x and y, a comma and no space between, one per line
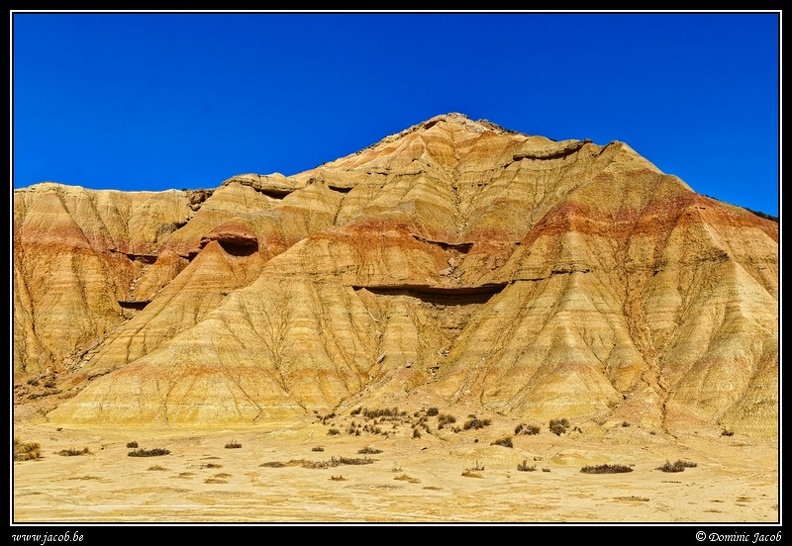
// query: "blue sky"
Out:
[154,101]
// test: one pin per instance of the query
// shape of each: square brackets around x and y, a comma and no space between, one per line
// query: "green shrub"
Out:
[132,445]
[431,412]
[233,444]
[369,450]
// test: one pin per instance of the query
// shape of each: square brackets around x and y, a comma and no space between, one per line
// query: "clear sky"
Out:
[155,101]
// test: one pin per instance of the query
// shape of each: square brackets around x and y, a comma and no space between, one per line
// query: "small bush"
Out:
[333,432]
[727,433]
[73,452]
[132,445]
[475,423]
[317,448]
[678,466]
[387,412]
[443,420]
[431,412]
[406,478]
[416,433]
[338,478]
[156,452]
[26,451]
[529,430]
[559,426]
[369,450]
[233,445]
[334,462]
[525,467]
[606,469]
[505,442]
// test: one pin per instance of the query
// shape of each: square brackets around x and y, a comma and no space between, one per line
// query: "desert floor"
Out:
[418,480]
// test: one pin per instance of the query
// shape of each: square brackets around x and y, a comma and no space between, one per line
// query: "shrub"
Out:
[559,426]
[387,412]
[678,466]
[26,451]
[529,430]
[132,445]
[333,432]
[606,469]
[475,423]
[335,461]
[727,433]
[317,448]
[443,420]
[233,444]
[505,442]
[416,433]
[148,452]
[369,450]
[73,452]
[431,412]
[524,467]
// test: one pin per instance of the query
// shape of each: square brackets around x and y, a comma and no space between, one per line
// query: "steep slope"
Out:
[455,261]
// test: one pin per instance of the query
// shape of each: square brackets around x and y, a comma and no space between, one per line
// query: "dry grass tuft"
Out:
[156,452]
[73,452]
[406,478]
[26,451]
[524,467]
[678,466]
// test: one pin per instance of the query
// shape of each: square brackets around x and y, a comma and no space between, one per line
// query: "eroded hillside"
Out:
[456,262]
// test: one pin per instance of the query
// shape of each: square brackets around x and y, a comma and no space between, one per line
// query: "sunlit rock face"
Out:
[456,261]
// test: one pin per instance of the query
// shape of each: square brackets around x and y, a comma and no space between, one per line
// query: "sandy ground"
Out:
[418,480]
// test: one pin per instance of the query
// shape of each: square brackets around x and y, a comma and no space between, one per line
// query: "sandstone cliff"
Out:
[456,262]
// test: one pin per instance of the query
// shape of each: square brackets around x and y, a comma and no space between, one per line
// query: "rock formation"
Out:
[455,262]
